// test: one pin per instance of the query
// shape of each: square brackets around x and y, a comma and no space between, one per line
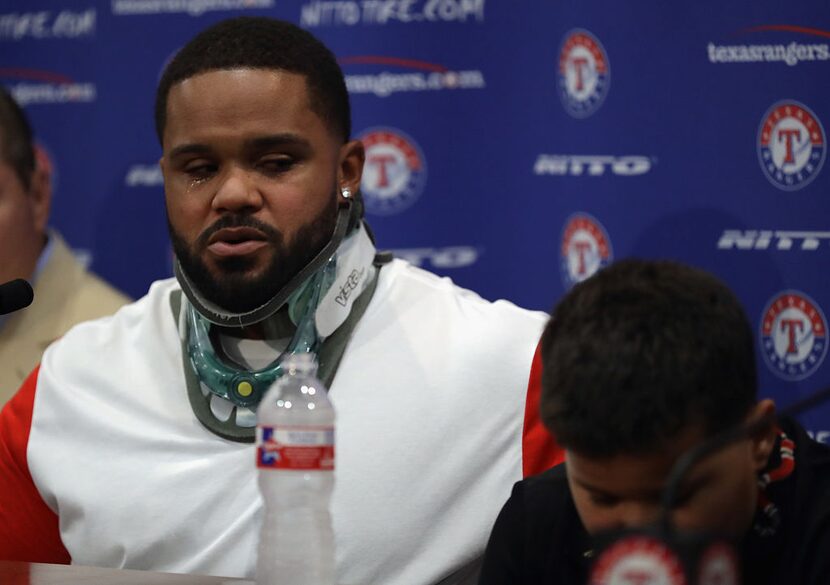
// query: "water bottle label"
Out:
[301,448]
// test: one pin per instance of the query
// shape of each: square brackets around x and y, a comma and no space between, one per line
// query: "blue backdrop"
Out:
[514,146]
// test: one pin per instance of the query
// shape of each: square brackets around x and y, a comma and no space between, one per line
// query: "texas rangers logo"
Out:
[793,335]
[584,73]
[791,145]
[638,560]
[395,171]
[585,248]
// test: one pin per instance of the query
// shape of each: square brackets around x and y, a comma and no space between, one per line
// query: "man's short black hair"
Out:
[262,43]
[16,148]
[642,351]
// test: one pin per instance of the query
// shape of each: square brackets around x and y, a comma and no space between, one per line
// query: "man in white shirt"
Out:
[140,427]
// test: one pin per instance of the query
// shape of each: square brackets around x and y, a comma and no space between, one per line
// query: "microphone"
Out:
[662,554]
[15,295]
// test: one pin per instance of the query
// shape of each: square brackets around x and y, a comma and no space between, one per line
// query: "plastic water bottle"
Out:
[295,460]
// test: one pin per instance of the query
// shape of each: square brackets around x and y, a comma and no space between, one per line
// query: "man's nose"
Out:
[238,191]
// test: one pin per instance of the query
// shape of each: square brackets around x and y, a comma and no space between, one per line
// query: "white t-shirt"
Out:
[431,403]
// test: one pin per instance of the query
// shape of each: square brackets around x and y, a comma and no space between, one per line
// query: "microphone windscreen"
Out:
[15,295]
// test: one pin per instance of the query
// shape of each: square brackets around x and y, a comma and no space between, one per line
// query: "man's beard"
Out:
[234,290]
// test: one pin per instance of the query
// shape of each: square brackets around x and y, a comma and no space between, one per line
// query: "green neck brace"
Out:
[246,388]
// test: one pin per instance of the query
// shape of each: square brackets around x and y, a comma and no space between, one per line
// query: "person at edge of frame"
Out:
[65,292]
[642,362]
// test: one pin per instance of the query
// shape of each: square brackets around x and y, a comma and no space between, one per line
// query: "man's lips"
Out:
[236,241]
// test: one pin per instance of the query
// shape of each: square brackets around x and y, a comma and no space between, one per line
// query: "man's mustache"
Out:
[232,221]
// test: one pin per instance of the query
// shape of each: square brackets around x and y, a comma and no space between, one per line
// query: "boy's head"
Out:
[642,362]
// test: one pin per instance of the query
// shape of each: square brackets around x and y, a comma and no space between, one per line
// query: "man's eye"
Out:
[200,169]
[275,164]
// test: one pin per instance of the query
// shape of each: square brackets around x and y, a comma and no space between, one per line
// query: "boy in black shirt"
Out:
[643,362]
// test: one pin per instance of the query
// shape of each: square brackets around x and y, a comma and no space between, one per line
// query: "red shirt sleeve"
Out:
[28,528]
[539,448]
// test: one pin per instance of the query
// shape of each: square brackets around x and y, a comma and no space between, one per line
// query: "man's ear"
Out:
[763,441]
[350,169]
[40,190]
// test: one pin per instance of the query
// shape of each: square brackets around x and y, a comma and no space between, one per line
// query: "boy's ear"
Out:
[764,440]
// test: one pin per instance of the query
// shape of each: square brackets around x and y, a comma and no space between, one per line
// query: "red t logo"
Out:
[581,249]
[580,63]
[786,136]
[790,326]
[382,160]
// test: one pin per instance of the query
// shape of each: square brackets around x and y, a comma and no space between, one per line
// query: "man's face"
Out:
[719,494]
[23,216]
[252,177]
